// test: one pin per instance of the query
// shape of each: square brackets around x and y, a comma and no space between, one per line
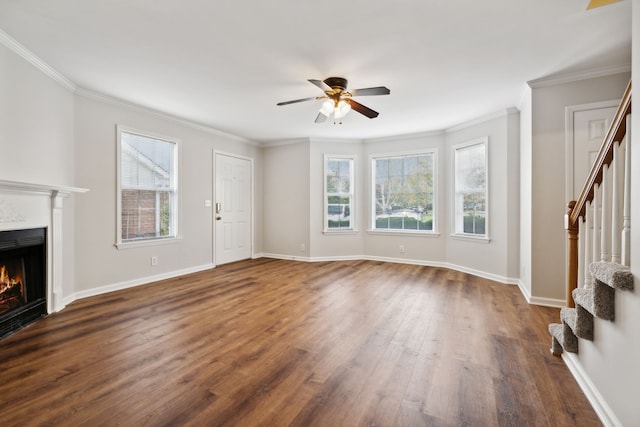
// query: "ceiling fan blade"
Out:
[597,3]
[365,111]
[380,90]
[296,100]
[322,85]
[320,118]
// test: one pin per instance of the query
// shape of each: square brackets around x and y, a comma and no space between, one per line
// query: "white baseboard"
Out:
[483,274]
[604,411]
[548,302]
[135,282]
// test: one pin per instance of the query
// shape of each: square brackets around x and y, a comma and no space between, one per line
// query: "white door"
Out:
[590,126]
[232,209]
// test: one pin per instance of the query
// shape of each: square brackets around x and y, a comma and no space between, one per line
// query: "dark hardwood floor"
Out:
[278,343]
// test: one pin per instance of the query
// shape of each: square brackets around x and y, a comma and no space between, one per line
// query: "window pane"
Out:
[147,187]
[404,192]
[471,189]
[338,196]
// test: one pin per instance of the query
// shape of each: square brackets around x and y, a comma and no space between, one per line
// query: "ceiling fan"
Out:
[597,3]
[339,100]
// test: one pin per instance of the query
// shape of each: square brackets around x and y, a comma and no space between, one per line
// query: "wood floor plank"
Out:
[282,343]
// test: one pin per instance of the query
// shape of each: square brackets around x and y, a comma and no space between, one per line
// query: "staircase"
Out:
[598,301]
[598,226]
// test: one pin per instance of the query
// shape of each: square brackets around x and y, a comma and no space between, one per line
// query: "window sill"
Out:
[403,233]
[470,238]
[339,232]
[149,242]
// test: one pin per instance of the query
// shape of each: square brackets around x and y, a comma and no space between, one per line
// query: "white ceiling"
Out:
[226,63]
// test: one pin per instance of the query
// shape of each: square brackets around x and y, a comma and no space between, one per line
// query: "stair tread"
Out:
[569,316]
[612,274]
[579,320]
[563,335]
[584,297]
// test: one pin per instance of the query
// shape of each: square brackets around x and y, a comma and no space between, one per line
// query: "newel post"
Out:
[572,271]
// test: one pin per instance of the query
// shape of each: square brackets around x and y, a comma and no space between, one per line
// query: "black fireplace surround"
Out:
[23,267]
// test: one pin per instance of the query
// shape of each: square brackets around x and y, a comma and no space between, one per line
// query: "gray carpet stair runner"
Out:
[598,301]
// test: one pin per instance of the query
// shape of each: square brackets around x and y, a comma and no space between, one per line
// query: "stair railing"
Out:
[598,223]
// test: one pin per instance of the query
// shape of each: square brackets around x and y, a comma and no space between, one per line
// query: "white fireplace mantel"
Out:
[29,205]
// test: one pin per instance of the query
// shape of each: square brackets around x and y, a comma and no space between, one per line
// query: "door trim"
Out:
[569,139]
[251,201]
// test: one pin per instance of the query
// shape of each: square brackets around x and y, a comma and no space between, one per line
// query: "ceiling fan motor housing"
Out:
[337,83]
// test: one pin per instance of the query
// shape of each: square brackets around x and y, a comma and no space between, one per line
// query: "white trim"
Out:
[474,272]
[176,178]
[252,222]
[579,75]
[340,231]
[548,302]
[372,189]
[148,242]
[406,136]
[487,211]
[26,187]
[135,282]
[280,143]
[605,413]
[404,233]
[108,99]
[483,119]
[13,45]
[352,195]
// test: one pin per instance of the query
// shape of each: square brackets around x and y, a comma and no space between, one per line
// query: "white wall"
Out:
[36,128]
[548,204]
[286,200]
[37,138]
[500,255]
[294,172]
[99,263]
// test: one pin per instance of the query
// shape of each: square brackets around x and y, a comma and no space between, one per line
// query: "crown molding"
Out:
[13,45]
[479,120]
[108,99]
[405,136]
[268,144]
[580,75]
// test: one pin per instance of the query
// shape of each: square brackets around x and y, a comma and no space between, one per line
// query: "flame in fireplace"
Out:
[11,290]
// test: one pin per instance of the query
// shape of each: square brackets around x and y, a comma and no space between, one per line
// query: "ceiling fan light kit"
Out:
[339,101]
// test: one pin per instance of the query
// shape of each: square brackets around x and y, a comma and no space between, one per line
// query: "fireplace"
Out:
[23,278]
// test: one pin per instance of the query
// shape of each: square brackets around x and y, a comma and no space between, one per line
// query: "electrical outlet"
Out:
[401,249]
[154,260]
[302,247]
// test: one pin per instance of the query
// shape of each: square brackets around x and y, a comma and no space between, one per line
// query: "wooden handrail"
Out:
[616,131]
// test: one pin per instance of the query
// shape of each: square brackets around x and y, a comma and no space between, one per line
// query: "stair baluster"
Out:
[598,227]
[626,215]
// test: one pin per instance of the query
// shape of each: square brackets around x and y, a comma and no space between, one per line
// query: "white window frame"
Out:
[457,221]
[372,202]
[176,178]
[351,195]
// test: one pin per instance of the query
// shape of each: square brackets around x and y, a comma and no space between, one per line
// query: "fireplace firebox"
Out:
[23,280]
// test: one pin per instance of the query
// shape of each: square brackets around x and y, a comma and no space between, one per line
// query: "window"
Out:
[338,190]
[404,192]
[471,199]
[147,187]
